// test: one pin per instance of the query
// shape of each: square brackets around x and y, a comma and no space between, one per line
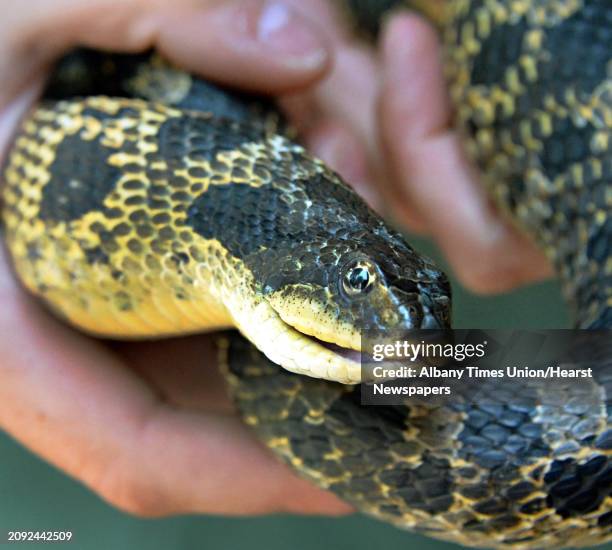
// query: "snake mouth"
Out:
[291,348]
[349,354]
[327,360]
[308,341]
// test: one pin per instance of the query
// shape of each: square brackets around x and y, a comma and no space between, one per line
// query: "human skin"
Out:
[148,426]
[386,122]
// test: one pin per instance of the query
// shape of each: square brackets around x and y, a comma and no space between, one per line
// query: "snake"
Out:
[141,201]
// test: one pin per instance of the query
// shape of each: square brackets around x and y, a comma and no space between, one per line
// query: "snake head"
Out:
[336,290]
[323,267]
[339,270]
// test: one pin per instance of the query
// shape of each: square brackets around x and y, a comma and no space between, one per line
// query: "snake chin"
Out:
[339,354]
[291,348]
[348,359]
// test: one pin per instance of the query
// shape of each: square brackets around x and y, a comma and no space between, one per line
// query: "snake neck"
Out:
[536,121]
[574,230]
[578,245]
[589,293]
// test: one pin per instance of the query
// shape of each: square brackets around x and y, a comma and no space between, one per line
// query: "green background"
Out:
[36,496]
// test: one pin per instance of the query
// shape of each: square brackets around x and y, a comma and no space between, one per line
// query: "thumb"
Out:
[263,45]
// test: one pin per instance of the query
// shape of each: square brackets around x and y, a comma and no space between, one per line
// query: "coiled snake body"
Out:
[141,201]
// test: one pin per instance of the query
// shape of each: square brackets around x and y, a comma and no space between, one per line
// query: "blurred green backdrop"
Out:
[33,495]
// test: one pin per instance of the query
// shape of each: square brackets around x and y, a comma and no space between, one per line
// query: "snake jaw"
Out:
[306,355]
[293,350]
[312,319]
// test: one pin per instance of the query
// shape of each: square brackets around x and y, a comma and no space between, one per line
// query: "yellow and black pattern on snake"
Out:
[524,464]
[136,219]
[191,209]
[530,467]
[531,83]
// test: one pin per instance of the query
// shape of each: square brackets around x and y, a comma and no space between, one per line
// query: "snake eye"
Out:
[358,278]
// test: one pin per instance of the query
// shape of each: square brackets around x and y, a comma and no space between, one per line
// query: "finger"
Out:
[193,463]
[262,45]
[350,90]
[72,402]
[256,44]
[417,94]
[431,171]
[340,149]
[182,370]
[327,17]
[339,129]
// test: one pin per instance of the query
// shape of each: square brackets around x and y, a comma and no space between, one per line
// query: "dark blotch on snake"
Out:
[81,179]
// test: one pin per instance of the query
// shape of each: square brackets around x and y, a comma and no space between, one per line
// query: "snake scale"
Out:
[141,201]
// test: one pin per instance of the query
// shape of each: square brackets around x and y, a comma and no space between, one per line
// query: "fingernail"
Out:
[281,29]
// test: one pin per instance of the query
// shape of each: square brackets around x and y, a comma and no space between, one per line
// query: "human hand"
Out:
[398,94]
[147,426]
[437,189]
